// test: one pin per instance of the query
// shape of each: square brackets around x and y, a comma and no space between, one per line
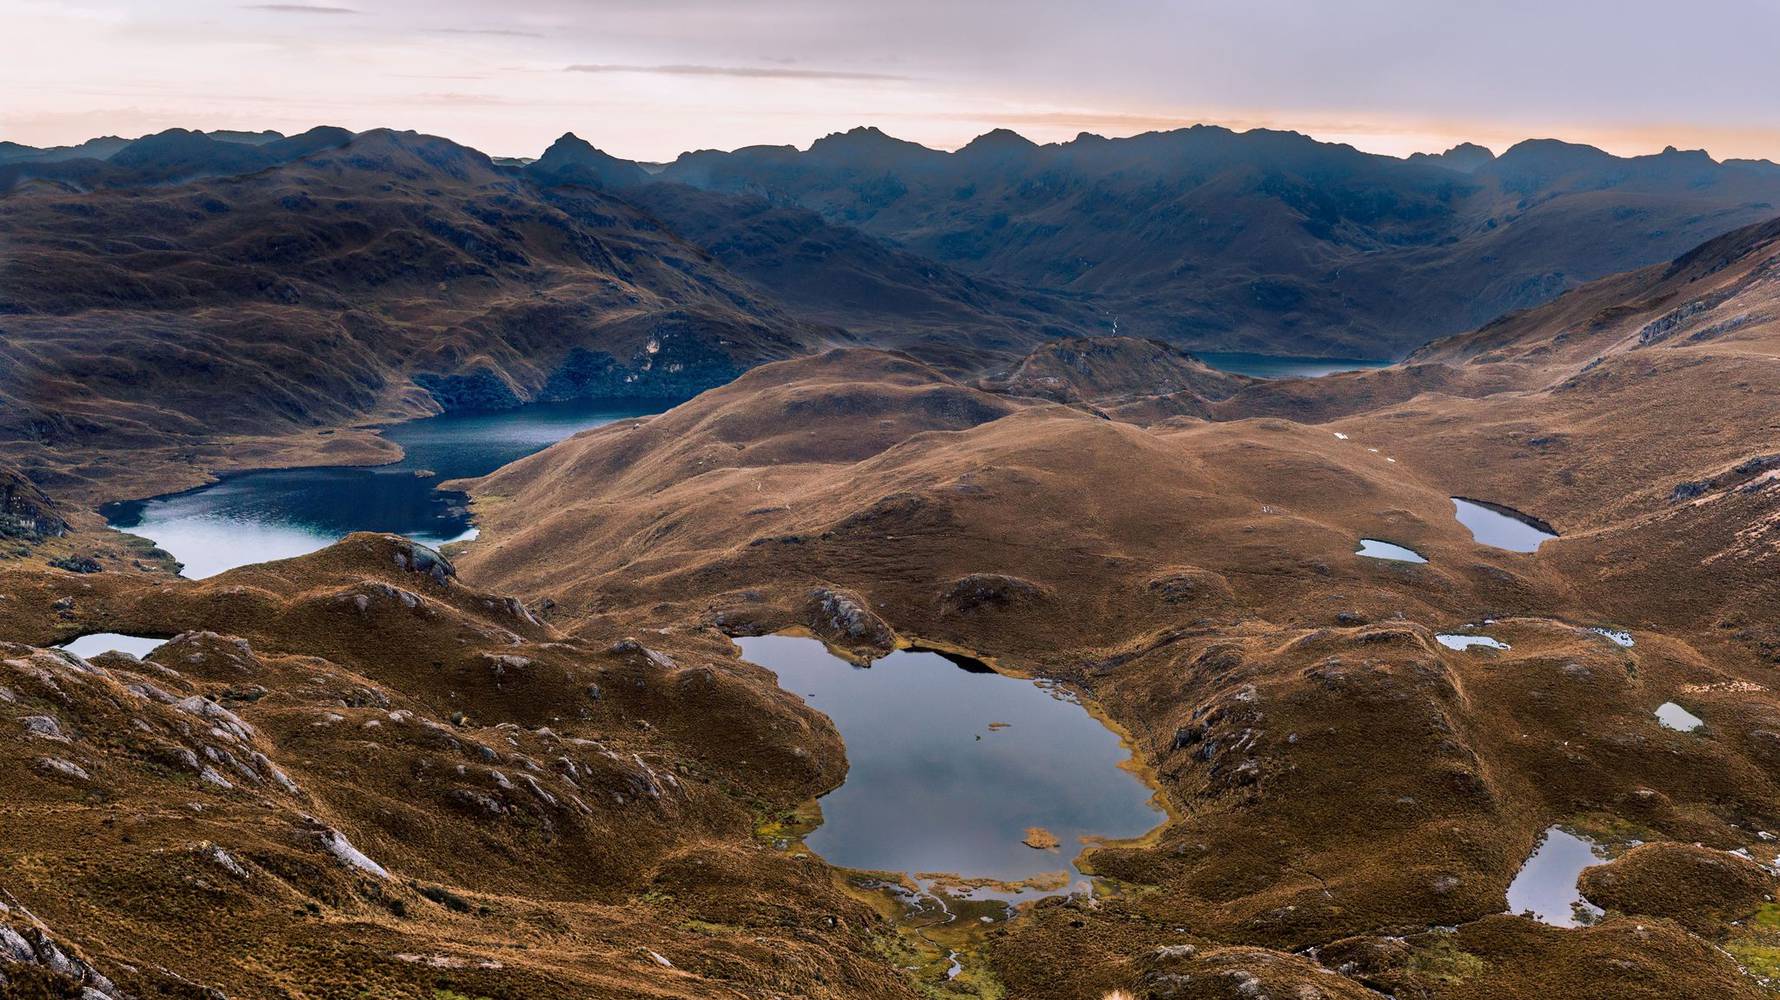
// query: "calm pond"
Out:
[276,514]
[1454,640]
[1546,887]
[1372,548]
[1501,527]
[112,642]
[1272,366]
[951,766]
[1673,716]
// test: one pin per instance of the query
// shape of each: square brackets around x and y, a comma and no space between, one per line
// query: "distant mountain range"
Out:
[327,277]
[1258,241]
[1263,241]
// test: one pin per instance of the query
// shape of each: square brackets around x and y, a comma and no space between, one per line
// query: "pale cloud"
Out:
[660,76]
[298,8]
[745,72]
[491,32]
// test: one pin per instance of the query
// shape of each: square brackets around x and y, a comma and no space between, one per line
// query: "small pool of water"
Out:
[1615,636]
[1455,641]
[277,514]
[1673,716]
[112,642]
[1372,548]
[1546,887]
[1502,527]
[951,767]
[1272,366]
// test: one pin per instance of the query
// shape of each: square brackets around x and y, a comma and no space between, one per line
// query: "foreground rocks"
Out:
[320,772]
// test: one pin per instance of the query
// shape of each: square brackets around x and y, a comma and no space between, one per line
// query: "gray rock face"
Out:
[417,558]
[26,513]
[43,727]
[29,945]
[63,769]
[843,618]
[654,657]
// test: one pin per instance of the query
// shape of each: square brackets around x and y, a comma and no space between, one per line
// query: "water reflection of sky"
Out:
[1491,526]
[932,788]
[1546,885]
[281,513]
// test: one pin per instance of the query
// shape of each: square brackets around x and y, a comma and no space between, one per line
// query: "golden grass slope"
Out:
[1340,780]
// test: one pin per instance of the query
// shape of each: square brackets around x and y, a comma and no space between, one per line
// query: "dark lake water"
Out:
[276,514]
[951,765]
[1284,366]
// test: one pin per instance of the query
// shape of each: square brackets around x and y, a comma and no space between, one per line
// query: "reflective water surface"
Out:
[1284,365]
[1546,886]
[276,514]
[1456,641]
[951,766]
[1372,548]
[112,642]
[1502,527]
[1673,716]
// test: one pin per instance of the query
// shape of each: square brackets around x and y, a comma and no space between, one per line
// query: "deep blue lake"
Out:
[275,514]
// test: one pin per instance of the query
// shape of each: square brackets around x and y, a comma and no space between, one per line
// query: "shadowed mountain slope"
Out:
[883,294]
[1263,241]
[391,276]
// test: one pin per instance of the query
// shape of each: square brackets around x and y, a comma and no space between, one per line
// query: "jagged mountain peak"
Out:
[573,160]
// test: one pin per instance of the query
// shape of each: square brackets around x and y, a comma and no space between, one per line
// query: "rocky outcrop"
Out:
[1190,585]
[28,950]
[842,618]
[26,514]
[417,558]
[991,591]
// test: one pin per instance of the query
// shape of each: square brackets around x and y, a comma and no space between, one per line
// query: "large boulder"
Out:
[842,619]
[26,513]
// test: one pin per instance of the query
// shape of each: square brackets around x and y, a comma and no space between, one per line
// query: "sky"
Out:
[648,79]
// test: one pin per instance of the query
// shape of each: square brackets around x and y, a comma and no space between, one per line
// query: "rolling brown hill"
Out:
[1341,783]
[361,770]
[1110,371]
[352,772]
[392,276]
